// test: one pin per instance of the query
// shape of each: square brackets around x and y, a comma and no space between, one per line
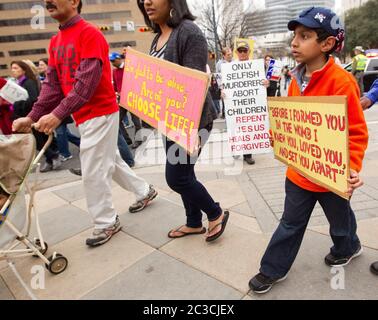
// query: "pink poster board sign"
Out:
[165,95]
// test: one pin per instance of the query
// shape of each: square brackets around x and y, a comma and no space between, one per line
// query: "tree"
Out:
[222,21]
[362,27]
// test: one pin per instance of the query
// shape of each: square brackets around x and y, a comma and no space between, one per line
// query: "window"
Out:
[27,37]
[86,16]
[122,44]
[3,67]
[373,65]
[27,52]
[17,5]
[1,54]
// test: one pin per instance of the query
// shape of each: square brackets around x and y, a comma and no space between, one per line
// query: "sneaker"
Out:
[141,204]
[64,159]
[46,167]
[101,236]
[56,163]
[250,161]
[262,284]
[374,268]
[332,261]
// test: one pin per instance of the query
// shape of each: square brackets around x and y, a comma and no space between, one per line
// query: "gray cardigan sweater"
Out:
[187,47]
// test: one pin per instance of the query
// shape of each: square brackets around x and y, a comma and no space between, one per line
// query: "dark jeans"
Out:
[217,106]
[124,149]
[181,178]
[286,241]
[52,151]
[63,136]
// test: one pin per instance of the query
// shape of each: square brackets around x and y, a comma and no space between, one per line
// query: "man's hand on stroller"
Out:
[22,125]
[47,124]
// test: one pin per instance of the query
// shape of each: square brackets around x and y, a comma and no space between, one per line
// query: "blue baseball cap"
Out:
[318,18]
[114,55]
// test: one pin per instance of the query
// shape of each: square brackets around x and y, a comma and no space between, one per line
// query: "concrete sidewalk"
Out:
[141,262]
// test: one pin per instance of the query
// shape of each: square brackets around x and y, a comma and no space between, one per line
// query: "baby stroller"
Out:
[17,159]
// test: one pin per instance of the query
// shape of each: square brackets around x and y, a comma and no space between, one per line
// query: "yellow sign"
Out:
[251,44]
[311,136]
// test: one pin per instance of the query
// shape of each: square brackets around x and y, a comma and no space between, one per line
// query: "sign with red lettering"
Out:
[246,107]
[167,96]
[311,135]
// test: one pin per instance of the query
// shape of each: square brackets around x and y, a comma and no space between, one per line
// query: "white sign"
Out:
[246,107]
[274,70]
[130,26]
[117,26]
[12,92]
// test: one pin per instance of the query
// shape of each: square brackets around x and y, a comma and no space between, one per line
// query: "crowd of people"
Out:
[81,87]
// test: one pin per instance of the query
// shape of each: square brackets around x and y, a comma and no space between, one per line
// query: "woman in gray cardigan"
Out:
[180,41]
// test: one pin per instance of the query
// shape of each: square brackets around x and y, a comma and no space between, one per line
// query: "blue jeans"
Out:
[217,106]
[181,178]
[63,136]
[124,150]
[286,241]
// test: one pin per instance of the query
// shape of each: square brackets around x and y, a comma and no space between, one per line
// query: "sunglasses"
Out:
[242,50]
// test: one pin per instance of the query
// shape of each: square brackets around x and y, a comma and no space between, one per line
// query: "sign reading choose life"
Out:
[168,97]
[311,135]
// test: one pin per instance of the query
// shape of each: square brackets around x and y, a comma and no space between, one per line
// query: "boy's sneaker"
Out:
[262,284]
[332,261]
[141,204]
[100,236]
[64,159]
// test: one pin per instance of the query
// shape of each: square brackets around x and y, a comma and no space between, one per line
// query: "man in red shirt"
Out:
[78,82]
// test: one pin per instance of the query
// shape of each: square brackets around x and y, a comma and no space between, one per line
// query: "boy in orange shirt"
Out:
[317,34]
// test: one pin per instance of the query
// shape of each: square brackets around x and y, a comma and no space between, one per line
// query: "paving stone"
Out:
[46,201]
[5,294]
[232,259]
[266,218]
[87,267]
[156,179]
[122,200]
[243,209]
[72,193]
[160,277]
[153,223]
[62,223]
[310,278]
[367,232]
[244,222]
[228,193]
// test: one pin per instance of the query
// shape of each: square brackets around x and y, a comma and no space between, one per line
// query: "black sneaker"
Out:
[374,268]
[141,204]
[262,284]
[332,261]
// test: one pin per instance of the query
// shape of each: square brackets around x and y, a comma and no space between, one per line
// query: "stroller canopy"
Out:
[17,153]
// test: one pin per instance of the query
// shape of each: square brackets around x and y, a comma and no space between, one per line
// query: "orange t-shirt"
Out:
[333,80]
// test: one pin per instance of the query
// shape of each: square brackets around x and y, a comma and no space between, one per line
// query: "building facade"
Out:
[23,35]
[277,13]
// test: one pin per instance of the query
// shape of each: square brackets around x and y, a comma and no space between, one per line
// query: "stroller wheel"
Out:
[37,243]
[58,263]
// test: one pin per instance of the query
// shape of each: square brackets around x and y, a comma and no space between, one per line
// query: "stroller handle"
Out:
[43,150]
